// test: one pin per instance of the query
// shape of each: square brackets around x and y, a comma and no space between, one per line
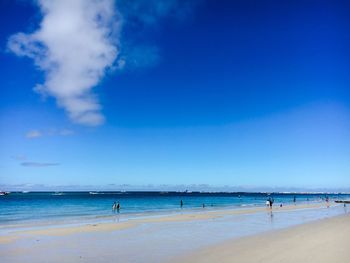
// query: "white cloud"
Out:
[76,43]
[33,134]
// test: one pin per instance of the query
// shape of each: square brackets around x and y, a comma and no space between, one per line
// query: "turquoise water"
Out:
[17,208]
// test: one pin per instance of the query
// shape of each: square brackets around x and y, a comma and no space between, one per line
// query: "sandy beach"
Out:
[63,230]
[289,234]
[322,242]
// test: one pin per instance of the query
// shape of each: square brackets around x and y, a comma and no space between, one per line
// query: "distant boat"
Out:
[58,193]
[93,193]
[4,193]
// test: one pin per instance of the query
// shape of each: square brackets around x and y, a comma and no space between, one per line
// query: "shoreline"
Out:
[168,237]
[115,222]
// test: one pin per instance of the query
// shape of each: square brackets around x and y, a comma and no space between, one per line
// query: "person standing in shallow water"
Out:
[181,203]
[114,206]
[267,203]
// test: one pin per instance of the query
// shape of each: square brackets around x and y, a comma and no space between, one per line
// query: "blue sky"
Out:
[238,93]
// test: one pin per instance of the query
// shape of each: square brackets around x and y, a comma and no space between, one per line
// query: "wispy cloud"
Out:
[148,12]
[139,15]
[66,132]
[51,132]
[19,157]
[23,160]
[59,132]
[138,56]
[38,164]
[33,134]
[75,44]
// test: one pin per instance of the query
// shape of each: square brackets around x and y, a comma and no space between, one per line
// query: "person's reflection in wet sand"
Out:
[271,216]
[116,217]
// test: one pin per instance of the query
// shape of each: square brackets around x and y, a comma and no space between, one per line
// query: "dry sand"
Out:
[323,241]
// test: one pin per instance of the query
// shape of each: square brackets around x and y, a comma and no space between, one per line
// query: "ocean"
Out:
[42,207]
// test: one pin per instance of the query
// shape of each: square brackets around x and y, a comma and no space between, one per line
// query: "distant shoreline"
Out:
[181,192]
